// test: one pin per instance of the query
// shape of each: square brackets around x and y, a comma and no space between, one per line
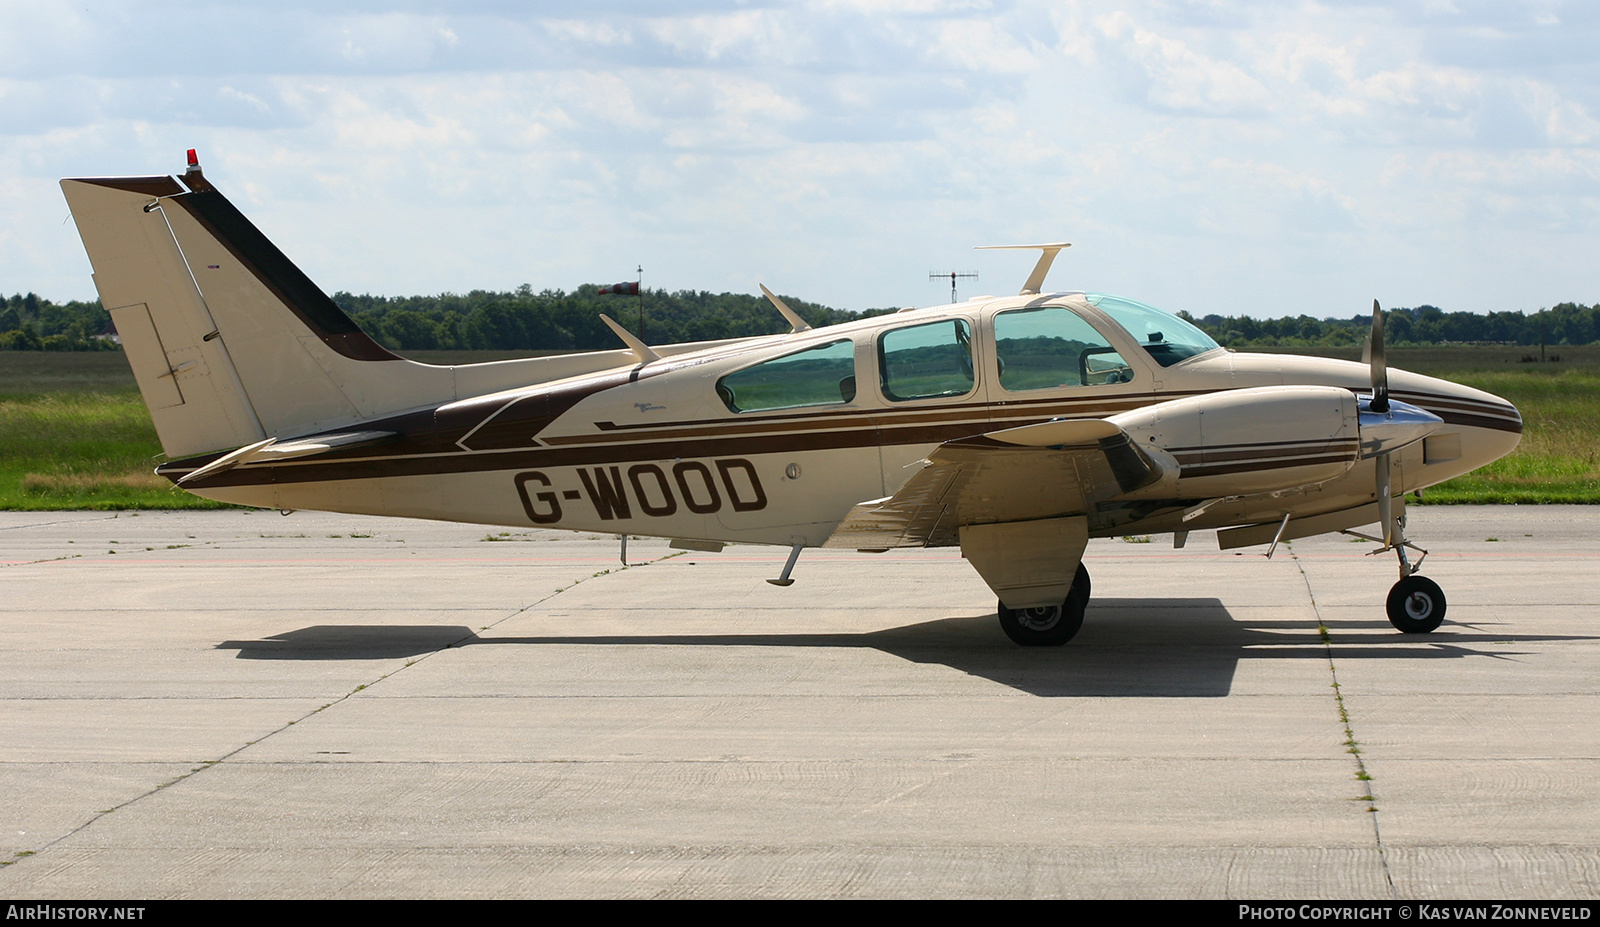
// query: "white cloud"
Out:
[1174,76]
[840,150]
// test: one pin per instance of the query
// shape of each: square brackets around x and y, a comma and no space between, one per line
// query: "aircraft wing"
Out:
[1046,470]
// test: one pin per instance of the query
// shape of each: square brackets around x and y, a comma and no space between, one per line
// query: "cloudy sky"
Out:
[1221,156]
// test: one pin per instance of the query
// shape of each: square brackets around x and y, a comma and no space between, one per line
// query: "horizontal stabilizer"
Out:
[274,450]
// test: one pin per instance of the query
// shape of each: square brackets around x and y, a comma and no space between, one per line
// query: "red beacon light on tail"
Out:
[193,178]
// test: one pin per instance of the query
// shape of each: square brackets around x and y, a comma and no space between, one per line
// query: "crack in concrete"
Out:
[1352,745]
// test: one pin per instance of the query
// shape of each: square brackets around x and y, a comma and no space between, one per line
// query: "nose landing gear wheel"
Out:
[1416,605]
[1048,625]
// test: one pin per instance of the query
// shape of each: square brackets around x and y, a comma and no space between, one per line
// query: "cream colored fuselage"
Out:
[651,449]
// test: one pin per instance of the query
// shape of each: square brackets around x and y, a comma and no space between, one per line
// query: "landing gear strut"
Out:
[1416,603]
[1048,625]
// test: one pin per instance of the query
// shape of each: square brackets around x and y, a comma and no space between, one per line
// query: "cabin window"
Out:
[1165,337]
[926,361]
[1052,347]
[820,376]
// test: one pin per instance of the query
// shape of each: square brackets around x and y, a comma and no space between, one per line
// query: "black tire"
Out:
[1080,583]
[1416,605]
[1047,626]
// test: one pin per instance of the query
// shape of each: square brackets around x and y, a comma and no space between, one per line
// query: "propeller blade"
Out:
[1380,367]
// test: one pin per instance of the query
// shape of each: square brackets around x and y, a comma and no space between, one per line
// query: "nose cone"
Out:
[1457,405]
[1399,425]
[1477,427]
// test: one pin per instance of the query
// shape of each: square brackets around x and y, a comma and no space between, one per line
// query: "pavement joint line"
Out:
[13,563]
[1352,746]
[208,764]
[64,521]
[75,556]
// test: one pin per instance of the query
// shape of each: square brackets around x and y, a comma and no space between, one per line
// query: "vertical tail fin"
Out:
[183,368]
[229,341]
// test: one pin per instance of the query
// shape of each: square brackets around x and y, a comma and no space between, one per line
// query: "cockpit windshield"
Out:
[1165,337]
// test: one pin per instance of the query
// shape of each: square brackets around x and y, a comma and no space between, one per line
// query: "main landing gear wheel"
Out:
[1416,605]
[1048,625]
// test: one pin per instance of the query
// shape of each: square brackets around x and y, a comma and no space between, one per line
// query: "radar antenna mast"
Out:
[953,275]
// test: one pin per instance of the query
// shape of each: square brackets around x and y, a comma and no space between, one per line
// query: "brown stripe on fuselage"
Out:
[474,462]
[1479,421]
[1262,444]
[1475,413]
[963,409]
[500,434]
[1189,471]
[821,421]
[741,445]
[1031,410]
[1346,450]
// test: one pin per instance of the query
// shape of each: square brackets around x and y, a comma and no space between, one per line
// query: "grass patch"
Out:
[76,449]
[1558,460]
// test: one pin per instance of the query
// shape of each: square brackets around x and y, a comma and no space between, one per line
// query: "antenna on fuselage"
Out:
[1036,279]
[796,324]
[935,275]
[640,350]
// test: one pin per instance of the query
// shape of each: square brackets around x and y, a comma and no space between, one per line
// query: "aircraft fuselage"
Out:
[655,450]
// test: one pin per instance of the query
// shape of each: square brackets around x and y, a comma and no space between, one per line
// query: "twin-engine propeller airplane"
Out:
[1017,428]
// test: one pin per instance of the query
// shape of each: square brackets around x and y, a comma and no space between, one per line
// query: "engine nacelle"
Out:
[1247,441]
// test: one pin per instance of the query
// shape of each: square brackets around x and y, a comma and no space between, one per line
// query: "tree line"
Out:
[556,320]
[1565,323]
[30,323]
[482,320]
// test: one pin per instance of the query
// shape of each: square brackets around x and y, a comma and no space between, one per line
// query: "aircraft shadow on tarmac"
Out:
[1151,648]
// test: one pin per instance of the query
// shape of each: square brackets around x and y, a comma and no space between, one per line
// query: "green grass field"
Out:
[74,433]
[1556,461]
